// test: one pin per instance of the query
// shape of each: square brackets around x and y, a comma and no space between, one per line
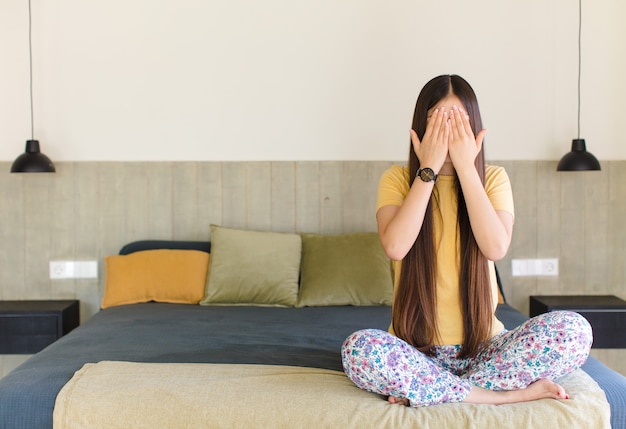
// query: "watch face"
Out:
[427,174]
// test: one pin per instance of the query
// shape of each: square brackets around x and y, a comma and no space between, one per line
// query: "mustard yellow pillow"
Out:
[163,275]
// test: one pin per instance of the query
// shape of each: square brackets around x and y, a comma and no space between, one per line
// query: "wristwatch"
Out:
[426,174]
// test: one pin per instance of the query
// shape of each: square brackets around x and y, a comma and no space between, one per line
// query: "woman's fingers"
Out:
[438,123]
[433,124]
[460,123]
[479,139]
[432,149]
[414,138]
[464,146]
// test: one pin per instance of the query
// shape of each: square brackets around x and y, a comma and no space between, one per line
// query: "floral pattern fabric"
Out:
[547,346]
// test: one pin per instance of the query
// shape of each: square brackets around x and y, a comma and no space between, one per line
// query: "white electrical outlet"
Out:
[535,267]
[73,269]
[58,270]
[550,267]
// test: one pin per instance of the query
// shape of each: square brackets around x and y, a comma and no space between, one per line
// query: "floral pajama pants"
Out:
[547,346]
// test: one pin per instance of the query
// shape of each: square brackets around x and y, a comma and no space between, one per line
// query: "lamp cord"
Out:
[580,19]
[30,53]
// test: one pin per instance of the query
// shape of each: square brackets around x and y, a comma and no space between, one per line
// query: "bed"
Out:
[168,364]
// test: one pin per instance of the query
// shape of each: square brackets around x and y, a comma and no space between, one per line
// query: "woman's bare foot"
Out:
[399,401]
[541,389]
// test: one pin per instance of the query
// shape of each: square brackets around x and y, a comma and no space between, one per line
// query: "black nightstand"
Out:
[26,327]
[605,313]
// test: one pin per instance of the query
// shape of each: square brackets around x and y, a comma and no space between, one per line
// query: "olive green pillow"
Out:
[346,269]
[253,268]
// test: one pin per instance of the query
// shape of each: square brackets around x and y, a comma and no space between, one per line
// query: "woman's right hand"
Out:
[399,226]
[432,150]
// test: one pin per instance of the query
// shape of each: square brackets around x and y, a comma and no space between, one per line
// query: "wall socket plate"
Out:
[535,267]
[73,269]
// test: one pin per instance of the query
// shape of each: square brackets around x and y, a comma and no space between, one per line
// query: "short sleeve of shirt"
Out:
[393,187]
[498,188]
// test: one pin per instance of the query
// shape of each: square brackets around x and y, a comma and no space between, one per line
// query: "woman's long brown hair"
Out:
[414,309]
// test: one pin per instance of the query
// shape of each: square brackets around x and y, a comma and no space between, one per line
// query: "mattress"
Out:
[179,333]
[307,337]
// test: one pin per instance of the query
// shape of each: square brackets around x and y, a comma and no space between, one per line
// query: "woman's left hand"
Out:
[463,147]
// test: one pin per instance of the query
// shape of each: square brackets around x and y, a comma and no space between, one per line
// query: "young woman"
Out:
[443,220]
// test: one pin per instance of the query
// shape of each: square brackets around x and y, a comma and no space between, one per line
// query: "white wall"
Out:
[292,80]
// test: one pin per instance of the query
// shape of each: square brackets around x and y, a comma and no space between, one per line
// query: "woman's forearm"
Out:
[492,229]
[399,226]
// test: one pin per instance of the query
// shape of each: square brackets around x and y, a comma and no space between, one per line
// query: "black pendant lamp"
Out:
[578,159]
[32,160]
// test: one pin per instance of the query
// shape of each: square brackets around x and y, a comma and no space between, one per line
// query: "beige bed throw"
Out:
[151,395]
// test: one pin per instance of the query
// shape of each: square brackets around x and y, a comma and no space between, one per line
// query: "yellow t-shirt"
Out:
[393,188]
